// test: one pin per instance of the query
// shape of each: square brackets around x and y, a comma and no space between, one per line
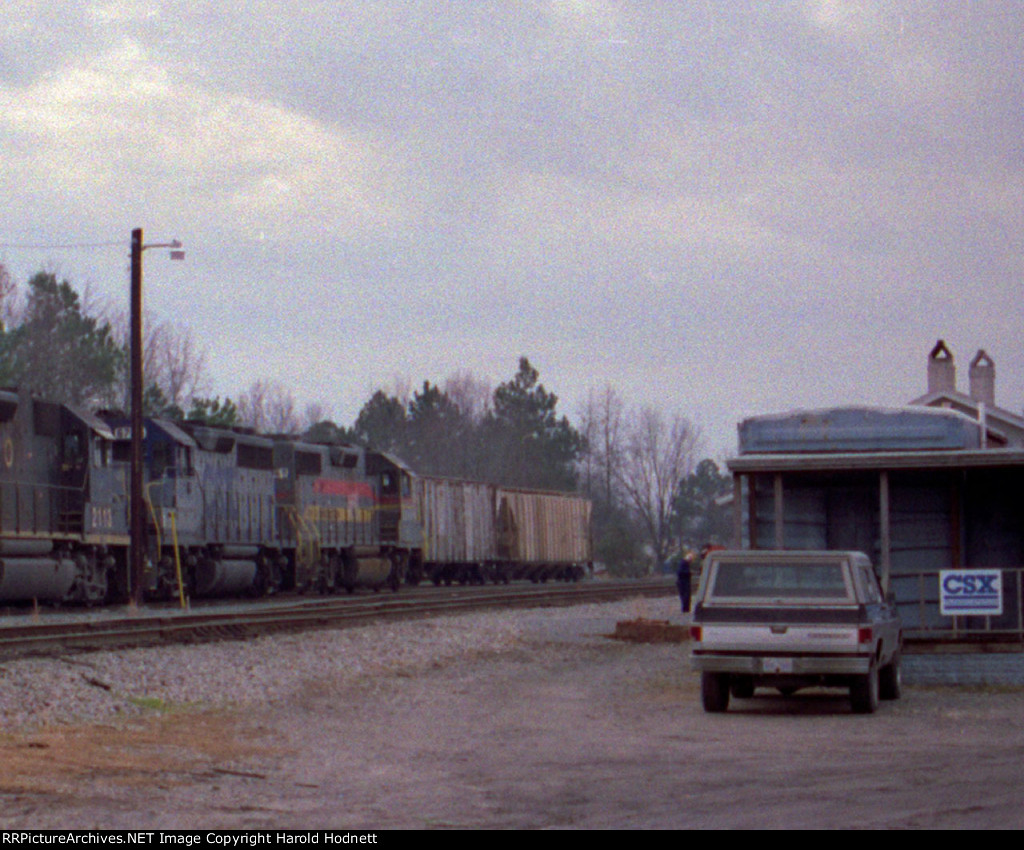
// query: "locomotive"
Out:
[235,513]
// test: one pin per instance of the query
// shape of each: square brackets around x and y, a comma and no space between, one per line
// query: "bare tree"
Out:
[172,361]
[251,405]
[315,412]
[402,388]
[178,364]
[471,395]
[657,455]
[269,407]
[282,417]
[603,427]
[10,310]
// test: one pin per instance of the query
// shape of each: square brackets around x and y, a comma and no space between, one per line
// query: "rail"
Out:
[919,599]
[88,631]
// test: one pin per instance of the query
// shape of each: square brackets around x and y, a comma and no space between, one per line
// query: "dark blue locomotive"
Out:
[63,512]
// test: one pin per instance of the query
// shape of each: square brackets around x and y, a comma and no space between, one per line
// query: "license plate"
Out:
[776,665]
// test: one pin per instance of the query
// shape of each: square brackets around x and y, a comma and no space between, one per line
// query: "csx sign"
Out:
[971,592]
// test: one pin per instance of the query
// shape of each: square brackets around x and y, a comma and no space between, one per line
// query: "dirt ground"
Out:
[552,734]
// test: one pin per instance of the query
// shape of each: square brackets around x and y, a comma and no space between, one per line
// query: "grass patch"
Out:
[158,705]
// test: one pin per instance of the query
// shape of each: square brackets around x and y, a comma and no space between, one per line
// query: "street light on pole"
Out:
[137,524]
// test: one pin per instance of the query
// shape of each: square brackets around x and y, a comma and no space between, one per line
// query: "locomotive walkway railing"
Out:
[968,605]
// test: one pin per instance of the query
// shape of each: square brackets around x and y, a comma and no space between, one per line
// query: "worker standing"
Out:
[684,576]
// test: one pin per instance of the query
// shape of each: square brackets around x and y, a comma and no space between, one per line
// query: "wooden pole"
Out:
[138,519]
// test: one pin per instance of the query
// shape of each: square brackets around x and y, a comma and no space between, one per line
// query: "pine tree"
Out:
[59,352]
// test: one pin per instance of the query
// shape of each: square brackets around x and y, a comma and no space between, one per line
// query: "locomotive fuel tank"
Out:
[44,579]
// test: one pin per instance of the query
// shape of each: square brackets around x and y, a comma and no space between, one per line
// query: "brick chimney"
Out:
[982,378]
[941,369]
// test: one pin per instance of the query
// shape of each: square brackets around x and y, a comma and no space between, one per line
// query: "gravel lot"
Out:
[521,719]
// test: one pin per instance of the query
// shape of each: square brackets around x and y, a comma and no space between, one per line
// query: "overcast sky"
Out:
[721,208]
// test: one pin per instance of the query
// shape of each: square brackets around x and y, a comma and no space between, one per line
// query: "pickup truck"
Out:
[794,619]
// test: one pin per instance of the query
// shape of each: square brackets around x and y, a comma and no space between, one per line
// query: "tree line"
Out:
[652,494]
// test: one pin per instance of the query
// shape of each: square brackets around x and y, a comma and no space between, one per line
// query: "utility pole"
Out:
[137,524]
[137,515]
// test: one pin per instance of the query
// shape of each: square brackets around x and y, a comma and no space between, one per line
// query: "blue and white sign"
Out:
[971,592]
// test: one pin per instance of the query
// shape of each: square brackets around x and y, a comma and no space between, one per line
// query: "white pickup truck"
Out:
[794,619]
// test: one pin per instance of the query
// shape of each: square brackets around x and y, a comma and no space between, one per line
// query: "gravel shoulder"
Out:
[518,719]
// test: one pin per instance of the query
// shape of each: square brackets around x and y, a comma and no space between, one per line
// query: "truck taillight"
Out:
[865,634]
[695,633]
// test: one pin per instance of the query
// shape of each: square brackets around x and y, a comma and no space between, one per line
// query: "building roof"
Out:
[1006,426]
[888,460]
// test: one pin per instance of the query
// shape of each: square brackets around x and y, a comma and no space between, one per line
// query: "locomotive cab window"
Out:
[72,448]
[161,460]
[308,463]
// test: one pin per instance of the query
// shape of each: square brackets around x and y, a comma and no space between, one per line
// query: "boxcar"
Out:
[475,532]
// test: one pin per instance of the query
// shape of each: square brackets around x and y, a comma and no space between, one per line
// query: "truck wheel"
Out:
[714,691]
[742,687]
[890,685]
[864,692]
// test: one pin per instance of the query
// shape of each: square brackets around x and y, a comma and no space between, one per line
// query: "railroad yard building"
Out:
[932,486]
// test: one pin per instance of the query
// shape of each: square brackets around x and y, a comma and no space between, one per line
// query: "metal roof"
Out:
[93,421]
[174,432]
[889,460]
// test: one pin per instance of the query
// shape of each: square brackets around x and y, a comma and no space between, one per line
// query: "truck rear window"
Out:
[751,580]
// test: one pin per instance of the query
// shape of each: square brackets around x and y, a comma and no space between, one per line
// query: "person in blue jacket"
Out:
[683,576]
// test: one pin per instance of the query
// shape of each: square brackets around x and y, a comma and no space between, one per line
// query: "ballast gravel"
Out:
[514,720]
[99,686]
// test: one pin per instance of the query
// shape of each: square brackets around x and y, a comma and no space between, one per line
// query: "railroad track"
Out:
[121,629]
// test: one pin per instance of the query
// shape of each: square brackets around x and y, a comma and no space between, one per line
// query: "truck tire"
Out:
[890,685]
[864,692]
[714,692]
[742,687]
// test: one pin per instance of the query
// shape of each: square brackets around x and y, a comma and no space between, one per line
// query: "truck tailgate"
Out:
[779,638]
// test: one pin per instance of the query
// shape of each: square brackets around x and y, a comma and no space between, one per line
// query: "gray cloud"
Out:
[724,208]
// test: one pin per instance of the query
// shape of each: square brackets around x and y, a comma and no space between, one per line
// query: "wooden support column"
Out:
[956,530]
[737,511]
[884,529]
[752,517]
[780,513]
